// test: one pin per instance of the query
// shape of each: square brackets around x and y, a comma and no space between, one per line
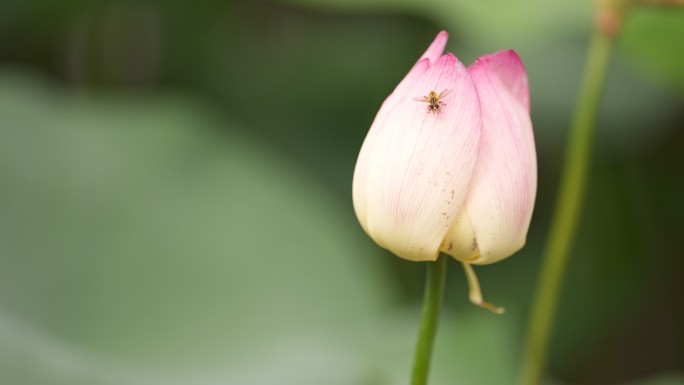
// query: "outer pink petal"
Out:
[501,199]
[414,168]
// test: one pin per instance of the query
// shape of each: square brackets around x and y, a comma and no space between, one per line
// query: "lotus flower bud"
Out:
[449,163]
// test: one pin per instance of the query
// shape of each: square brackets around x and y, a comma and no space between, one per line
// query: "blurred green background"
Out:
[175,202]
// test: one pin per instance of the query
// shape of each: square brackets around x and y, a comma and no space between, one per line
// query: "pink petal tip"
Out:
[508,67]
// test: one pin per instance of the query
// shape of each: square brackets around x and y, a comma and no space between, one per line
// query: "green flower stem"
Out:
[566,214]
[432,304]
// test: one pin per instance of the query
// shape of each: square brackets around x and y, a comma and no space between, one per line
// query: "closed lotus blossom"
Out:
[449,163]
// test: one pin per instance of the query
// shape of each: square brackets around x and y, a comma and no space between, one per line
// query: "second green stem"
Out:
[566,214]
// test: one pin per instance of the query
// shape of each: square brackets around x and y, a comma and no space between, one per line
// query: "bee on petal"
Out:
[434,101]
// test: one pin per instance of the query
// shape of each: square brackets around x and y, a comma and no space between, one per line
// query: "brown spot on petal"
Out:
[474,245]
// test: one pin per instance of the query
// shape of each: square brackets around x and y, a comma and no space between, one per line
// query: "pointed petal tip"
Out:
[436,48]
[503,54]
[509,68]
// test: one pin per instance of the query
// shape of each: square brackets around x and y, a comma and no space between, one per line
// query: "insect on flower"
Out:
[434,101]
